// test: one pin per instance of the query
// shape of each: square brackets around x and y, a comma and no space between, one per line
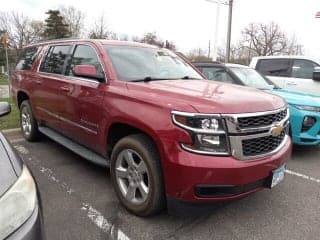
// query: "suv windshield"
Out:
[147,64]
[252,78]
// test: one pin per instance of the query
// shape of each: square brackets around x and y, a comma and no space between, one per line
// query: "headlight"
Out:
[308,108]
[207,131]
[17,204]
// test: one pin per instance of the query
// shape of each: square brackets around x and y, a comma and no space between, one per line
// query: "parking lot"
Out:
[79,202]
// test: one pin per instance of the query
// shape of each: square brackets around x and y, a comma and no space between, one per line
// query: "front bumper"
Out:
[309,137]
[32,229]
[185,171]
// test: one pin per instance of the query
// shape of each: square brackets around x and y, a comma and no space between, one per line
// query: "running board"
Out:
[75,147]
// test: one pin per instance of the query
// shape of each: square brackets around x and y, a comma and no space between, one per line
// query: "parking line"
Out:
[17,140]
[94,215]
[302,176]
[97,218]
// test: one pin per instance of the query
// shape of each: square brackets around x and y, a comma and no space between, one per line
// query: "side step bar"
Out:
[75,147]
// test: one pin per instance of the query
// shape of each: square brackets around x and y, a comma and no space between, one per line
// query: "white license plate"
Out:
[277,176]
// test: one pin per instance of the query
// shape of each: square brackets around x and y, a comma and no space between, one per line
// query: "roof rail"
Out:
[57,39]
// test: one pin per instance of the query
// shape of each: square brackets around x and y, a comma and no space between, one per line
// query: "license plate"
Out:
[277,176]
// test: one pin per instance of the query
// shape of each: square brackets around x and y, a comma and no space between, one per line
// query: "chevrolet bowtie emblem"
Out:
[276,130]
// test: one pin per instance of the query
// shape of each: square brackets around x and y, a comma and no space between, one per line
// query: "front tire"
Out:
[137,176]
[28,123]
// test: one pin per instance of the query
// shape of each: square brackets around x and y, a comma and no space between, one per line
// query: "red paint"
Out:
[84,70]
[147,106]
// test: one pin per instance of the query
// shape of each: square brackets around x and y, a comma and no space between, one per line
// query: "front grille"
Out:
[261,121]
[262,145]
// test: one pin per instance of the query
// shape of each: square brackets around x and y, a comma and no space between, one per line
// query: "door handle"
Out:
[65,89]
[39,82]
[292,84]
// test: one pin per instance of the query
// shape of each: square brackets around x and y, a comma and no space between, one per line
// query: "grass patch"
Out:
[11,120]
[3,80]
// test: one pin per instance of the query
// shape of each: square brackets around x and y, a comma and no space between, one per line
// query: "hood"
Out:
[298,98]
[205,96]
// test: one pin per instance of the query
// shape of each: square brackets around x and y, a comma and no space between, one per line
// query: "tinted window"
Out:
[303,69]
[217,74]
[55,59]
[85,55]
[274,67]
[137,63]
[27,58]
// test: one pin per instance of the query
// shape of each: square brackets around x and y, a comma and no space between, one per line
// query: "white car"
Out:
[290,72]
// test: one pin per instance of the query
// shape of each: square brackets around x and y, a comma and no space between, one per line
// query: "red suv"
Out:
[165,132]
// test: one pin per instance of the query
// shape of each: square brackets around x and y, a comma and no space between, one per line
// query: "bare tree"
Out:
[267,39]
[294,48]
[153,39]
[35,31]
[74,19]
[198,54]
[100,29]
[20,29]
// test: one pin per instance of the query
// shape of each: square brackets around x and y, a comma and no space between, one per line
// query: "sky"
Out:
[190,23]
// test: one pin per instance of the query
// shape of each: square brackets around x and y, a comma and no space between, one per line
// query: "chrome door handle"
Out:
[292,84]
[38,82]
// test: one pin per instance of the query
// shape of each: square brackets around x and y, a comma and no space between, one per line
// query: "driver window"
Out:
[84,55]
[303,69]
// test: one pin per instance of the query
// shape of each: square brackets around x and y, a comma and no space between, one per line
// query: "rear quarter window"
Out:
[27,58]
[274,67]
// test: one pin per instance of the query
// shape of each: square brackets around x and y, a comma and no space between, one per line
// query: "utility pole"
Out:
[229,31]
[216,30]
[5,46]
[209,49]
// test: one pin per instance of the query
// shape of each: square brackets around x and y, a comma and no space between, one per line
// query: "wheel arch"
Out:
[120,129]
[22,96]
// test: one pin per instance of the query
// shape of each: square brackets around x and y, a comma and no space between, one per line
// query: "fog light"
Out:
[308,123]
[208,139]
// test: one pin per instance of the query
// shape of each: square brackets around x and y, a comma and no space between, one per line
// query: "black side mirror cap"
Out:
[316,74]
[5,108]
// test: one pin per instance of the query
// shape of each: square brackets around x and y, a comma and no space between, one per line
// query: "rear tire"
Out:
[137,176]
[28,123]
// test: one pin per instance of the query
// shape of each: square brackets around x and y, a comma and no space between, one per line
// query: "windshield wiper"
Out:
[147,79]
[188,77]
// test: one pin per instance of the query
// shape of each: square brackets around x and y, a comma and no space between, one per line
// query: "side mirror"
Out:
[316,74]
[5,108]
[88,71]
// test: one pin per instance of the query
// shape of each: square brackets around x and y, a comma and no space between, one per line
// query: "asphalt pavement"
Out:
[79,202]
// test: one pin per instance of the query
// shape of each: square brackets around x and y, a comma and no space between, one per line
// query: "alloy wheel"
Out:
[132,176]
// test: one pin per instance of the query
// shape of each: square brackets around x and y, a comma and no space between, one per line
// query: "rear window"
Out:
[27,58]
[55,59]
[274,67]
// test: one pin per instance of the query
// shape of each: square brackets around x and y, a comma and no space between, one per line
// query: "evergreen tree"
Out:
[55,26]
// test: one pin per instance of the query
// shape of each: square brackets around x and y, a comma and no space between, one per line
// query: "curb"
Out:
[11,130]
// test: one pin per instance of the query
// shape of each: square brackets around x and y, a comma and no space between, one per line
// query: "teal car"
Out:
[304,108]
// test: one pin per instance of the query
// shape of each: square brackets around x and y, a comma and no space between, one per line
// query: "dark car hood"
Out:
[8,173]
[206,96]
